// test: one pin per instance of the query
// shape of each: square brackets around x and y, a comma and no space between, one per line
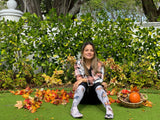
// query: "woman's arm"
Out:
[79,75]
[76,84]
[100,75]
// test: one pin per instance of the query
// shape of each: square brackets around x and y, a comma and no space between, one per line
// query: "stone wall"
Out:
[149,24]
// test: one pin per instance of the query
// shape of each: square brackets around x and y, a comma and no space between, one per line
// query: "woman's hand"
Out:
[90,80]
[76,84]
[104,84]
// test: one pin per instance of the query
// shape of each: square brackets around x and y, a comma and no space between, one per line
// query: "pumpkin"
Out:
[134,97]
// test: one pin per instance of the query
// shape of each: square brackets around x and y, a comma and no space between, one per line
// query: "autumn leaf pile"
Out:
[61,97]
[50,96]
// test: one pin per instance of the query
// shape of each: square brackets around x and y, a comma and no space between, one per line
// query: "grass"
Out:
[48,111]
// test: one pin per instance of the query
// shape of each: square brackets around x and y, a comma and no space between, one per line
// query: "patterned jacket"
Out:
[79,72]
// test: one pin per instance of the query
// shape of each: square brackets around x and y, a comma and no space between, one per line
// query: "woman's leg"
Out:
[102,95]
[77,98]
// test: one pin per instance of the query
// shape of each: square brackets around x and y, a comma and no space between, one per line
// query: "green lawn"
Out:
[48,111]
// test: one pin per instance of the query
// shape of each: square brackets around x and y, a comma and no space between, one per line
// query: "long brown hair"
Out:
[95,60]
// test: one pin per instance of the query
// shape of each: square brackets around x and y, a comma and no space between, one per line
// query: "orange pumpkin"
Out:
[134,97]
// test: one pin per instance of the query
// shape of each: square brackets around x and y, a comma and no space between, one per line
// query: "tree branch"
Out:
[150,10]
[75,9]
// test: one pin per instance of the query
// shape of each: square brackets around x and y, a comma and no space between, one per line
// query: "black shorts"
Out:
[90,95]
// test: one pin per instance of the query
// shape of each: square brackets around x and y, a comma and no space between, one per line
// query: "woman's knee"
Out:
[99,87]
[81,88]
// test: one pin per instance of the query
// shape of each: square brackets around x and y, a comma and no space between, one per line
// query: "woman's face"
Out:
[88,52]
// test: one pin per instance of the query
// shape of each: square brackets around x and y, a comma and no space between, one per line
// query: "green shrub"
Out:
[52,40]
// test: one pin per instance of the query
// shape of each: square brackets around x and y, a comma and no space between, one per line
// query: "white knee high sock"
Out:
[102,95]
[78,95]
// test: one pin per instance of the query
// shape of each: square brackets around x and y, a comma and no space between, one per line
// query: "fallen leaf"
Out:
[118,101]
[147,103]
[111,100]
[113,92]
[12,92]
[19,104]
[108,92]
[130,118]
[143,110]
[64,102]
[71,94]
[52,118]
[26,96]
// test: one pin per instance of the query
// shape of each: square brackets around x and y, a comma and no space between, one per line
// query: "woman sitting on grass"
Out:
[89,73]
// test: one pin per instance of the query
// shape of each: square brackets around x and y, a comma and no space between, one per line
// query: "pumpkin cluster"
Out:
[132,96]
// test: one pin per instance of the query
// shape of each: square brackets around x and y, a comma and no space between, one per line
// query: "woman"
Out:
[89,73]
